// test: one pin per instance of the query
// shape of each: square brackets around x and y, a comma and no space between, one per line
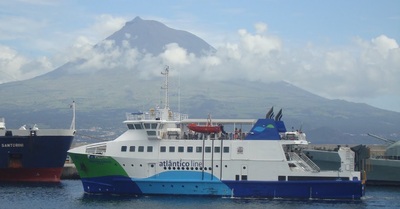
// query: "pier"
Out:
[69,172]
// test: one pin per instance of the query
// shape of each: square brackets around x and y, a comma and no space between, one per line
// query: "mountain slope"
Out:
[104,95]
[150,36]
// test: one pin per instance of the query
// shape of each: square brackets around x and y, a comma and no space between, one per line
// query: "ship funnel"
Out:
[270,113]
[279,115]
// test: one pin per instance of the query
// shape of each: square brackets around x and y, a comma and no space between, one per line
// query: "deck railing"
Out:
[304,162]
[174,116]
[97,149]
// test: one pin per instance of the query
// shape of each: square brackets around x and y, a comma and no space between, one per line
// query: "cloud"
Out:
[259,43]
[364,69]
[176,55]
[260,27]
[105,25]
[384,44]
[14,67]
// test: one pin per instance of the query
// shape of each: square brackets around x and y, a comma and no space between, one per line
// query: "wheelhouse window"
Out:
[291,136]
[138,126]
[151,133]
[150,125]
[123,148]
[130,126]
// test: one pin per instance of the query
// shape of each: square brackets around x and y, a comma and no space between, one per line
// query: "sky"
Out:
[337,49]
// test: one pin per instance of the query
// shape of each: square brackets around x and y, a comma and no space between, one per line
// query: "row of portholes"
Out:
[182,168]
[187,168]
[191,168]
[133,165]
[150,185]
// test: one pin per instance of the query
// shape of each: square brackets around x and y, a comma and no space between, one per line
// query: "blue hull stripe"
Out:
[266,189]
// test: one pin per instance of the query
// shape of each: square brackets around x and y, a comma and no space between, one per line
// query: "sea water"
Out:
[69,194]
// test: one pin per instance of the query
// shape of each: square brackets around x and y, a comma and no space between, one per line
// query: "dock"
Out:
[69,171]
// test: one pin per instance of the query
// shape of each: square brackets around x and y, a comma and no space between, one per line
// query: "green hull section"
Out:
[90,166]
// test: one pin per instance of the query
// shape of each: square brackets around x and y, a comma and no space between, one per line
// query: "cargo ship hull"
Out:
[33,156]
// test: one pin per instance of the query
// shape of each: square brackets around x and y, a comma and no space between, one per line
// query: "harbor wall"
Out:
[69,172]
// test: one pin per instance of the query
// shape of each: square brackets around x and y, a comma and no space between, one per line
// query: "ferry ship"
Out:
[33,154]
[160,155]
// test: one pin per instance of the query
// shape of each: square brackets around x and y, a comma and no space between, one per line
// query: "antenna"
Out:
[179,94]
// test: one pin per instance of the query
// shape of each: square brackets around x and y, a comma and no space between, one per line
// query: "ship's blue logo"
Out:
[259,129]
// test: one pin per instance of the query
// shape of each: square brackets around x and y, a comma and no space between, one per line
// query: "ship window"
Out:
[138,126]
[199,149]
[181,149]
[281,178]
[244,177]
[189,149]
[226,149]
[146,125]
[131,148]
[217,149]
[149,148]
[207,149]
[291,136]
[130,126]
[171,149]
[154,126]
[151,133]
[163,149]
[123,148]
[141,149]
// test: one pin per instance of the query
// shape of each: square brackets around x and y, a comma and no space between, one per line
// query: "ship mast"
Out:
[165,114]
[73,115]
[166,71]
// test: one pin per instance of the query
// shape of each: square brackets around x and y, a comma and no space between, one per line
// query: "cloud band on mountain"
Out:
[367,68]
